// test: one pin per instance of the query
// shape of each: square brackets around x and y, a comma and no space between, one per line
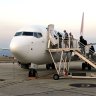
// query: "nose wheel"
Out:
[32,72]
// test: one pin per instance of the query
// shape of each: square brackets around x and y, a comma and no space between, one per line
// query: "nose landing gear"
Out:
[32,72]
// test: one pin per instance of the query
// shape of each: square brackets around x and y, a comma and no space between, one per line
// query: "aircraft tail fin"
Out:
[82,25]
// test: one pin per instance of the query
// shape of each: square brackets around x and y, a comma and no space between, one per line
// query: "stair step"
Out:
[88,60]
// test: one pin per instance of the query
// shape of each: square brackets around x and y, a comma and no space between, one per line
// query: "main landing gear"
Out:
[50,66]
[84,65]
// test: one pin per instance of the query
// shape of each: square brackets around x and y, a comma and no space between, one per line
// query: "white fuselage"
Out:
[29,49]
[30,44]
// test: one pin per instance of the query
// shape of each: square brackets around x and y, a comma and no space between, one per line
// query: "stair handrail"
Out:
[90,51]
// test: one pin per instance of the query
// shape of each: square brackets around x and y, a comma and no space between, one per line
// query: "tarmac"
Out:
[14,81]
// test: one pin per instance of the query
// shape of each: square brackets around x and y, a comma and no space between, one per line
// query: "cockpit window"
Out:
[18,34]
[39,35]
[28,33]
[35,34]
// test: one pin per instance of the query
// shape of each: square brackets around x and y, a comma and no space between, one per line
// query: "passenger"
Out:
[87,48]
[71,40]
[91,52]
[81,44]
[60,39]
[66,39]
[85,43]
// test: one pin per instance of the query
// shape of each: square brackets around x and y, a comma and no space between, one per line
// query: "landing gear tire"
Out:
[89,67]
[32,72]
[56,77]
[53,66]
[83,66]
[50,66]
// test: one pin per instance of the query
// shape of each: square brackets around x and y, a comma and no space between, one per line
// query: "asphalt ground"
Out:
[14,81]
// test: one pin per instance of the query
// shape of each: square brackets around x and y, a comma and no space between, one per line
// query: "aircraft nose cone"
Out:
[14,47]
[19,48]
[19,51]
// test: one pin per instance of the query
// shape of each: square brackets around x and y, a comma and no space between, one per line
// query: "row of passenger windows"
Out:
[35,34]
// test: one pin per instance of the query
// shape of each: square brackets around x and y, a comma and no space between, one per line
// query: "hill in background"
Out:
[6,53]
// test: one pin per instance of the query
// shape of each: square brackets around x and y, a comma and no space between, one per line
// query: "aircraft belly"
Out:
[40,57]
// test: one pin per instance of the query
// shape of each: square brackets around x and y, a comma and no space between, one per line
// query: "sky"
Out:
[64,14]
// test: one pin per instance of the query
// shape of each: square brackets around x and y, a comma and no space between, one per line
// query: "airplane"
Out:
[33,44]
[30,45]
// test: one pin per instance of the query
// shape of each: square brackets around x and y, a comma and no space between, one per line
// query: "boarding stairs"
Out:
[64,71]
[62,67]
